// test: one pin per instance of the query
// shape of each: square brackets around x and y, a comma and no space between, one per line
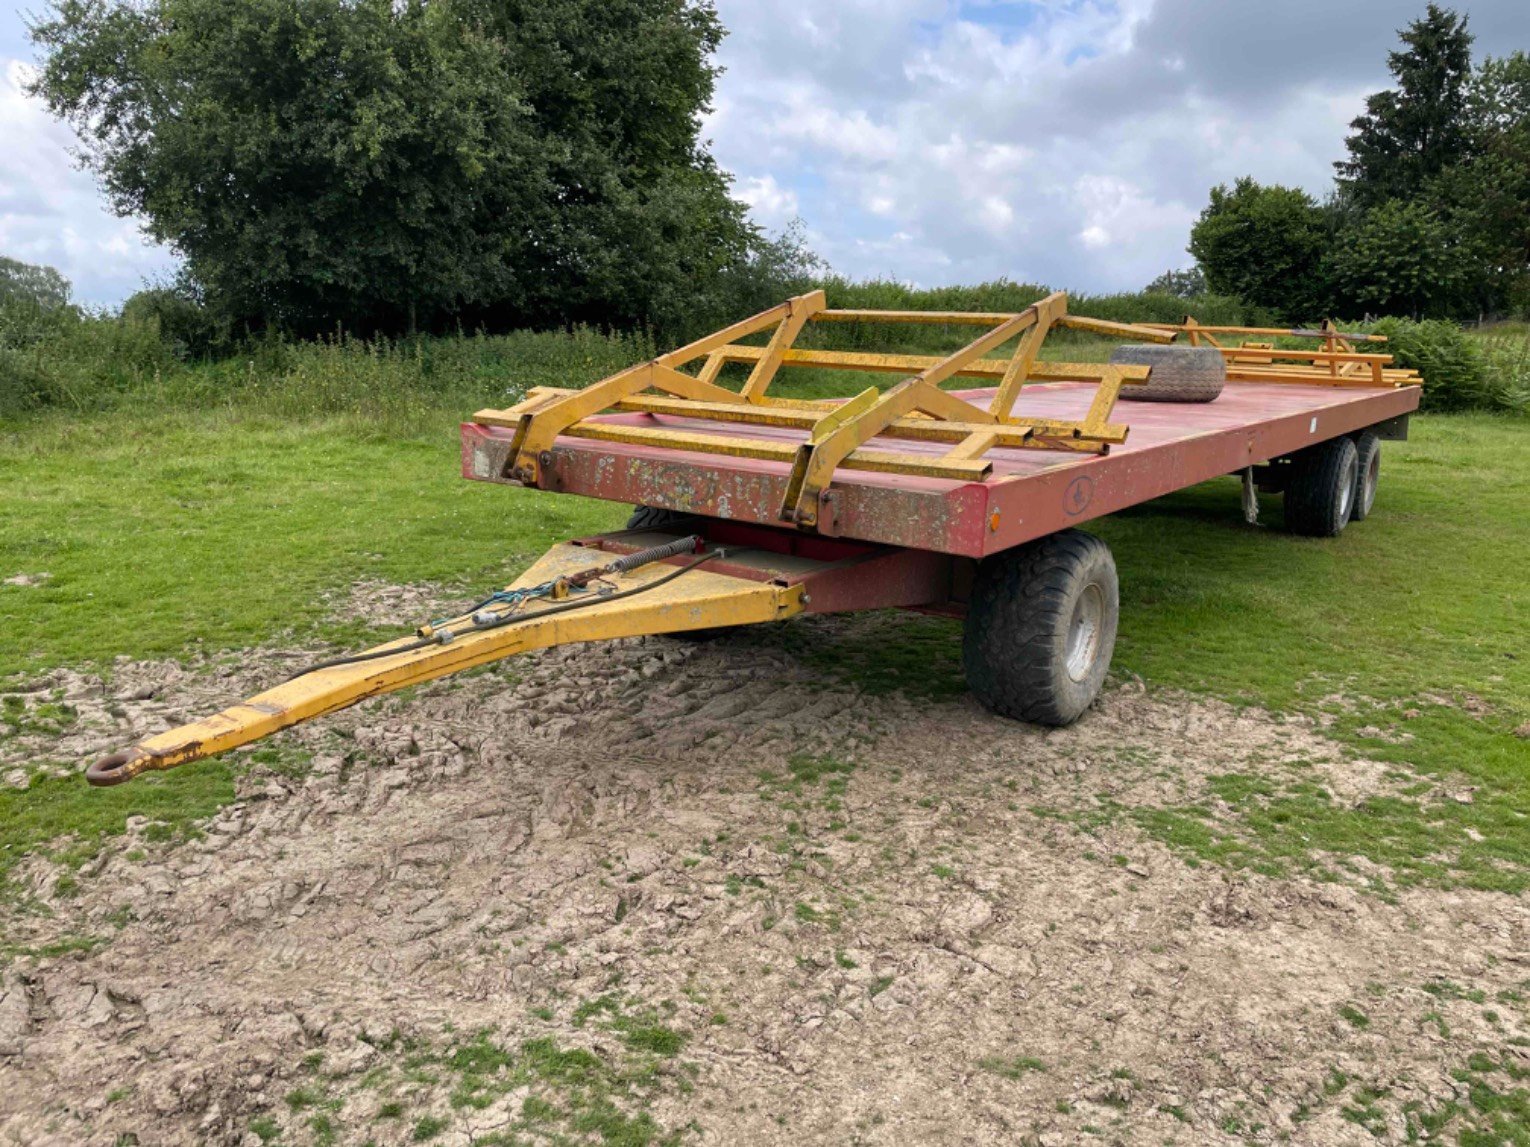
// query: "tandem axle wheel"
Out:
[1041,628]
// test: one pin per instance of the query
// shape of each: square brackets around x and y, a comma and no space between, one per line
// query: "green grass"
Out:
[1011,1066]
[172,532]
[1410,624]
[576,1095]
[74,820]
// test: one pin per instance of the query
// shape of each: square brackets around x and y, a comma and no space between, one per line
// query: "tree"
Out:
[1182,284]
[1266,246]
[32,283]
[382,163]
[1485,199]
[1416,130]
[1399,260]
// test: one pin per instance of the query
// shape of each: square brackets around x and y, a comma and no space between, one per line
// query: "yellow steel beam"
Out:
[1290,332]
[915,427]
[1023,362]
[697,599]
[799,310]
[914,363]
[1144,331]
[1299,355]
[975,445]
[1044,433]
[733,446]
[929,318]
[1104,401]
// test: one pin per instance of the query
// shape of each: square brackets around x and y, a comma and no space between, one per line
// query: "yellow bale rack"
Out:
[838,432]
[1258,359]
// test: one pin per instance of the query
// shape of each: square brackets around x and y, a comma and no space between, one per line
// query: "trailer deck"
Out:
[1027,494]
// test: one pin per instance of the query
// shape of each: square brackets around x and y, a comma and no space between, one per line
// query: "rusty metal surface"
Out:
[842,576]
[1028,494]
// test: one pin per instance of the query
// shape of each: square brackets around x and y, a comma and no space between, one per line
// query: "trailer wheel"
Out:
[651,518]
[1367,474]
[1041,627]
[1320,493]
[1180,373]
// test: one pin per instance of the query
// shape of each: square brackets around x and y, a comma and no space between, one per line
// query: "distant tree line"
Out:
[1429,215]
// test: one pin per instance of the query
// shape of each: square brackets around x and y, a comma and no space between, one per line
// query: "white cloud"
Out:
[1071,142]
[52,212]
[773,206]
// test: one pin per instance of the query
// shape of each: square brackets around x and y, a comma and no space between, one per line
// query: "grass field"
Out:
[165,529]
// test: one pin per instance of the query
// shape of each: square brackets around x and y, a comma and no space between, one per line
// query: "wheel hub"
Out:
[1084,631]
[1346,490]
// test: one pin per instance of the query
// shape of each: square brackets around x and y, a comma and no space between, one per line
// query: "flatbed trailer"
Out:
[1028,495]
[751,508]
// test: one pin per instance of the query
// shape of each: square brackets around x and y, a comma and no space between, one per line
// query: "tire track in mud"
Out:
[861,919]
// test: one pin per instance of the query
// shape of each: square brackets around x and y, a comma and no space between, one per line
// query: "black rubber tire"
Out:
[1367,474]
[1016,639]
[652,518]
[1180,373]
[1320,493]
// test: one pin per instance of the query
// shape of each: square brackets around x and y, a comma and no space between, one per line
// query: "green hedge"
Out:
[1458,375]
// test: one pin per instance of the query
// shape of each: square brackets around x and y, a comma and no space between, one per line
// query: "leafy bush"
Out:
[1508,368]
[1455,371]
[180,319]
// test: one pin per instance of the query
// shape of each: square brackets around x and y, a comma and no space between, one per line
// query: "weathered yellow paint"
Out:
[1144,332]
[799,310]
[930,318]
[697,599]
[837,433]
[1336,364]
[732,446]
[1022,363]
[914,363]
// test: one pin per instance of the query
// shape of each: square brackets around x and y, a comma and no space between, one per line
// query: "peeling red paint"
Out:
[1034,492]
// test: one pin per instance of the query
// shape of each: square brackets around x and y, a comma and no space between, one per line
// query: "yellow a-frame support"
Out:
[839,433]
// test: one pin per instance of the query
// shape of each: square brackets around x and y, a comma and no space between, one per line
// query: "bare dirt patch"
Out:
[654,889]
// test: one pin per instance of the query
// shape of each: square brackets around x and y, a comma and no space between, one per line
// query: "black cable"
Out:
[508,619]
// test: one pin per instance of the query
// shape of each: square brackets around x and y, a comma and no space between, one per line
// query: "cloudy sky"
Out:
[937,141]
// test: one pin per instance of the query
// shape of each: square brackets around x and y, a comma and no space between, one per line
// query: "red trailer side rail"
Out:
[1029,493]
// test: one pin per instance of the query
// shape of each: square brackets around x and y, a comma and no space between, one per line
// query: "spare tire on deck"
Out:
[1180,373]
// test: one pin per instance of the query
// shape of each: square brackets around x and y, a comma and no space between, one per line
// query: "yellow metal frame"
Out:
[1257,359]
[700,599]
[839,433]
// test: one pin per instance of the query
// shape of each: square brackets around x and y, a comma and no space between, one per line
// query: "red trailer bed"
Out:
[1029,494]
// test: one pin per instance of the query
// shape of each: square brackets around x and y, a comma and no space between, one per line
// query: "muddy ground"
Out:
[662,891]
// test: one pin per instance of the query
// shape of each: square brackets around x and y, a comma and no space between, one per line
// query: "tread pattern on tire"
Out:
[1180,373]
[1312,498]
[1021,601]
[651,517]
[1367,445]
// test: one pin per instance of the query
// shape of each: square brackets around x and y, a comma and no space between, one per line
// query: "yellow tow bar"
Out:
[588,603]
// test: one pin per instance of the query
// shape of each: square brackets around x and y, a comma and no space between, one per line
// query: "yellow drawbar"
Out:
[654,598]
